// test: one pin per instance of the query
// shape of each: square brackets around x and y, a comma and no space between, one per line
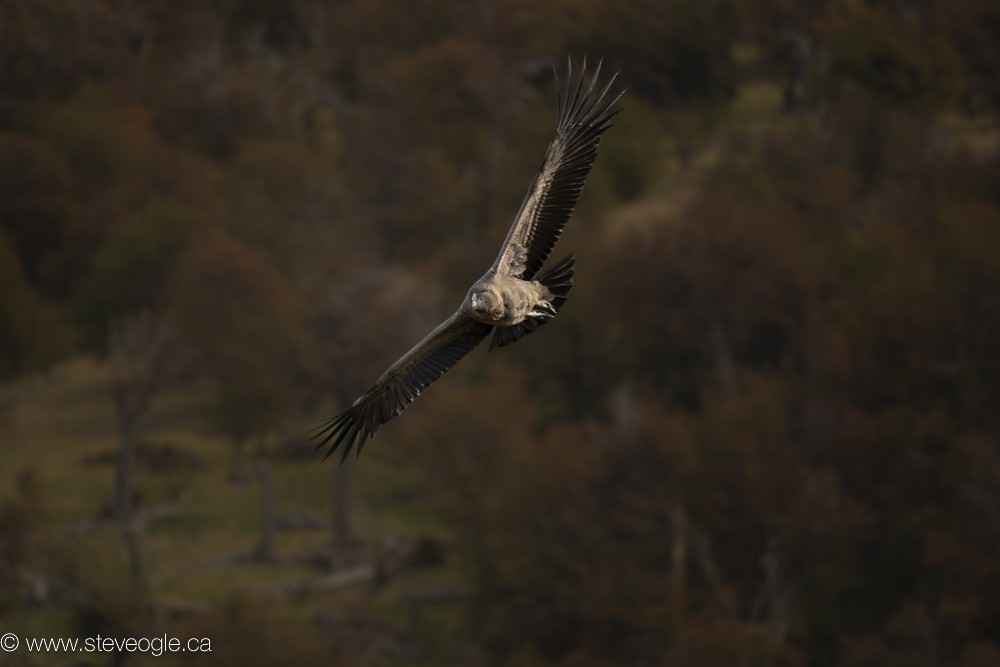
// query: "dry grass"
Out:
[63,419]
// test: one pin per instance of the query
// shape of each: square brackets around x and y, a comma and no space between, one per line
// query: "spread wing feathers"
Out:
[559,281]
[401,383]
[583,116]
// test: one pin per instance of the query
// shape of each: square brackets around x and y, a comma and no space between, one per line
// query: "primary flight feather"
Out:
[508,300]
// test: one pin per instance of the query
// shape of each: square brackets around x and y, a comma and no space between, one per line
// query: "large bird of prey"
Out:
[509,299]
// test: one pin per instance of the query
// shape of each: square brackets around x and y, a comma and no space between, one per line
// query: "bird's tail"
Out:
[559,281]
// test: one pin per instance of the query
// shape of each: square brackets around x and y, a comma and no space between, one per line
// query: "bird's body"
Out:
[503,300]
[509,300]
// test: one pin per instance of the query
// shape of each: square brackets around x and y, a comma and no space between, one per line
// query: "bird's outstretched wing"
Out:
[583,116]
[401,383]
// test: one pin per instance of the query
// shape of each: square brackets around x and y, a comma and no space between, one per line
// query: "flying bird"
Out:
[511,300]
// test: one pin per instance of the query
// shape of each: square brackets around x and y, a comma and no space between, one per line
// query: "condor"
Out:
[511,300]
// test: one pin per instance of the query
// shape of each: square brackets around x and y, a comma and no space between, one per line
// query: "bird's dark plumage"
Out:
[508,299]
[402,382]
[582,119]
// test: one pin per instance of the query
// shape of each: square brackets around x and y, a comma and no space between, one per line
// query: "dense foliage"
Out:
[764,430]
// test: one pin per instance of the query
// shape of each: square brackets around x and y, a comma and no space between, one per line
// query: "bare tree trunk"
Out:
[124,508]
[124,465]
[678,559]
[136,349]
[774,600]
[724,599]
[800,61]
[137,575]
[265,547]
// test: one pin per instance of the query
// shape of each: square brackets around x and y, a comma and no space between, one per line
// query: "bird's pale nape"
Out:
[508,300]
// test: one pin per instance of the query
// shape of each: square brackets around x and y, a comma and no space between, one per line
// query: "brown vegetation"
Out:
[764,430]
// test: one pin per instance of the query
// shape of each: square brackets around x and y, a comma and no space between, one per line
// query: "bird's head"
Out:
[483,302]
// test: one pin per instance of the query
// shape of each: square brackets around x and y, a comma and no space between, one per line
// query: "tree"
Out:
[130,270]
[35,187]
[32,332]
[120,309]
[243,323]
[137,350]
[902,57]
[975,32]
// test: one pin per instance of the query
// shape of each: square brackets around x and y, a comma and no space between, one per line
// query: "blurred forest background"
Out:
[764,431]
